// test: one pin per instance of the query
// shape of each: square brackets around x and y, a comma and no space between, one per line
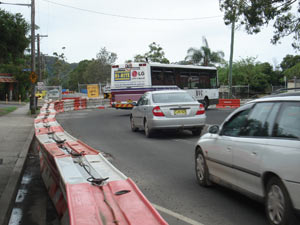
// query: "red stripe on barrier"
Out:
[47,114]
[229,103]
[43,130]
[61,206]
[83,103]
[53,150]
[53,189]
[128,208]
[136,205]
[47,120]
[80,147]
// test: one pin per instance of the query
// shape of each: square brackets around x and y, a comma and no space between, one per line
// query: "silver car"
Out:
[256,151]
[168,109]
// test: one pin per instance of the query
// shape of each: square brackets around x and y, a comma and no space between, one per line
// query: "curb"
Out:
[9,194]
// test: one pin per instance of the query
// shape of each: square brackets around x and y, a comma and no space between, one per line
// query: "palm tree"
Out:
[204,56]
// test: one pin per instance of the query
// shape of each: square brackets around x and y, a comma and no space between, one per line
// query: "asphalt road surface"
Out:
[163,168]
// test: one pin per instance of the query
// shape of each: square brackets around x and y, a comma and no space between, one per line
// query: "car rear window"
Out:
[172,97]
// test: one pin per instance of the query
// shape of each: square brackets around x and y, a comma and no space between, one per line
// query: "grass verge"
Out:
[6,110]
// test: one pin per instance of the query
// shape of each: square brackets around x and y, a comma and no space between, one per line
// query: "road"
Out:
[163,168]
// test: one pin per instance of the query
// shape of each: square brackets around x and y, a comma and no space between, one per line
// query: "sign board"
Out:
[93,90]
[130,76]
[53,94]
[33,77]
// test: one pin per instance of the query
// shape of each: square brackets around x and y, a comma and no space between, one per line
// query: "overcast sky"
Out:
[84,33]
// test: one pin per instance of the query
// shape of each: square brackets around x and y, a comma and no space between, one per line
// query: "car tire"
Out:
[132,126]
[197,132]
[201,169]
[278,205]
[148,131]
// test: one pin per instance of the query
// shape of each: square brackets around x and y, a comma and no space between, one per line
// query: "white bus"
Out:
[130,81]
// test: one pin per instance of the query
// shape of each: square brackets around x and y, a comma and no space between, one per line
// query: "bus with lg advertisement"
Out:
[130,81]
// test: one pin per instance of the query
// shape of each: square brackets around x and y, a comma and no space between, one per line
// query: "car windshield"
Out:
[172,97]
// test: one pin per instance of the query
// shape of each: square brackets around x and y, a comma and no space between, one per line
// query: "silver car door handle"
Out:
[254,153]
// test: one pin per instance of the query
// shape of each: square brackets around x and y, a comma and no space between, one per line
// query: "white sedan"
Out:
[256,151]
[168,109]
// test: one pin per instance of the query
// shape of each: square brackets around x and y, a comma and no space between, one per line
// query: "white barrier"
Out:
[85,187]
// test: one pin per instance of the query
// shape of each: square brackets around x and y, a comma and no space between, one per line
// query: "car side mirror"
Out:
[214,129]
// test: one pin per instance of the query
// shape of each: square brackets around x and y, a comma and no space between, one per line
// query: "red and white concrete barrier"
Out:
[84,186]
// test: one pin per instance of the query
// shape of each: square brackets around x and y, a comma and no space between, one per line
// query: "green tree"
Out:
[22,77]
[60,69]
[253,15]
[248,72]
[138,58]
[289,61]
[155,54]
[204,55]
[13,40]
[292,72]
[76,75]
[93,71]
[99,69]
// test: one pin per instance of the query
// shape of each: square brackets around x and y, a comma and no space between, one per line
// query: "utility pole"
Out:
[231,55]
[33,100]
[39,56]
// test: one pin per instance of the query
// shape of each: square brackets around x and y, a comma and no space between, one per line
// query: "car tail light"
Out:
[201,110]
[157,111]
[115,66]
[144,64]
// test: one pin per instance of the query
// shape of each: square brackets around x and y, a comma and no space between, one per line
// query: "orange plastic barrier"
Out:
[84,187]
[228,103]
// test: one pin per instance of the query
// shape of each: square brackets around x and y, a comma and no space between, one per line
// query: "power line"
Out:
[132,17]
[20,4]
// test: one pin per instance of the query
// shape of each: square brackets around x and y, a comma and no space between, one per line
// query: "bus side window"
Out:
[194,82]
[184,81]
[204,82]
[169,78]
[157,78]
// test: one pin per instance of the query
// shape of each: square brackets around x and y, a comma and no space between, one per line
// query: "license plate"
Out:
[179,112]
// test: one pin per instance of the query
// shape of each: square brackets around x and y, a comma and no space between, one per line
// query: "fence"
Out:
[245,91]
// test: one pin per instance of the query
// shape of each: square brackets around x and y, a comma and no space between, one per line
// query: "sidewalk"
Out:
[16,134]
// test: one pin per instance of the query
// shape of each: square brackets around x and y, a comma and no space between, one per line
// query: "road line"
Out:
[176,215]
[186,141]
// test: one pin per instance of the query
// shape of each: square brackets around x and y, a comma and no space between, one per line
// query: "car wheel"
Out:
[133,127]
[278,204]
[197,132]
[148,131]
[201,169]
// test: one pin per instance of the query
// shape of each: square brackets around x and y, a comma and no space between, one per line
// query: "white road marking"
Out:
[176,215]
